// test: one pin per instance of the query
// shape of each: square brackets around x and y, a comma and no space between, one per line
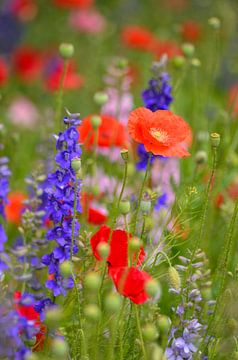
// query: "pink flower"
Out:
[23,112]
[88,21]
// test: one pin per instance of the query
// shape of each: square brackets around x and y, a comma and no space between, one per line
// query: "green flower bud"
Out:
[66,50]
[178,61]
[124,154]
[112,302]
[214,22]
[150,333]
[100,98]
[201,157]
[96,121]
[122,63]
[124,207]
[188,49]
[76,164]
[164,323]
[152,287]
[60,348]
[66,269]
[156,352]
[103,249]
[92,312]
[145,206]
[174,278]
[92,281]
[215,139]
[196,63]
[54,317]
[134,244]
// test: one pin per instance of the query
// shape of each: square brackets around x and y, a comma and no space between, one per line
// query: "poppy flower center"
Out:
[159,134]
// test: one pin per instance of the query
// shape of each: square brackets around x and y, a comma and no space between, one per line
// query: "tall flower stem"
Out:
[140,194]
[59,97]
[123,184]
[140,332]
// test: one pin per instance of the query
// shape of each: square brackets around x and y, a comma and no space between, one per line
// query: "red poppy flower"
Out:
[24,9]
[28,63]
[131,283]
[170,48]
[110,133]
[231,192]
[29,313]
[3,72]
[191,31]
[137,37]
[72,81]
[96,217]
[15,207]
[118,255]
[74,3]
[161,132]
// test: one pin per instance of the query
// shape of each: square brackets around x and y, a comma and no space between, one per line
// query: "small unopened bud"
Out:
[134,244]
[92,281]
[201,157]
[196,63]
[76,164]
[149,332]
[66,50]
[92,312]
[103,249]
[215,139]
[122,63]
[164,323]
[156,352]
[174,278]
[66,268]
[96,121]
[53,317]
[100,98]
[145,206]
[124,207]
[178,61]
[152,288]
[188,49]
[124,154]
[60,348]
[112,302]
[214,22]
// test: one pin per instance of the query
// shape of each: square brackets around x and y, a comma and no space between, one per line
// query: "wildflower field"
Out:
[118,179]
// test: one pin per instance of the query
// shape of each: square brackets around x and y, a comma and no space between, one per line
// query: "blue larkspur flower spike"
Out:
[60,206]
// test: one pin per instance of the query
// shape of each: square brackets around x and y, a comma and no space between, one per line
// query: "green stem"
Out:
[123,185]
[60,94]
[74,218]
[140,332]
[140,194]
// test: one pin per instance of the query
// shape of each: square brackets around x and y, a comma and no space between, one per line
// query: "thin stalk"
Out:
[123,184]
[59,98]
[140,194]
[140,332]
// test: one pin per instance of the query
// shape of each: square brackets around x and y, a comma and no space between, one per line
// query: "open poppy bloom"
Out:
[119,239]
[72,81]
[28,63]
[94,215]
[131,282]
[29,313]
[161,132]
[3,72]
[137,37]
[170,48]
[24,9]
[74,3]
[15,207]
[191,31]
[110,133]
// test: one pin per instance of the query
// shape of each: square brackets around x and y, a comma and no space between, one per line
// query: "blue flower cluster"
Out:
[4,189]
[185,338]
[62,192]
[156,97]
